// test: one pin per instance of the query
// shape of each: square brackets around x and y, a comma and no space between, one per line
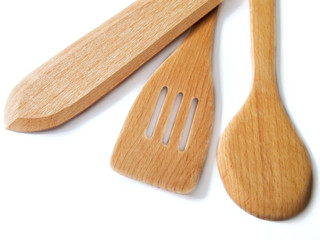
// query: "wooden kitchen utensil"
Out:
[84,72]
[263,164]
[146,149]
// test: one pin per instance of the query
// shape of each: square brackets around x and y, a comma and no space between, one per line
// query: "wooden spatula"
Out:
[88,69]
[263,164]
[180,91]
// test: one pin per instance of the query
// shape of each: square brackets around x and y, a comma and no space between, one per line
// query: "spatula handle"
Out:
[201,36]
[263,39]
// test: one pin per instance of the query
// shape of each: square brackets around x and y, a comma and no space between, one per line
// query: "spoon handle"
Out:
[263,42]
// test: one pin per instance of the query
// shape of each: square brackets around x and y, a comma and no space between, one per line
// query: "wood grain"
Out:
[263,163]
[186,71]
[80,75]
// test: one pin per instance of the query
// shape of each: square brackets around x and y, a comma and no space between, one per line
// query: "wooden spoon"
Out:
[84,72]
[263,164]
[159,158]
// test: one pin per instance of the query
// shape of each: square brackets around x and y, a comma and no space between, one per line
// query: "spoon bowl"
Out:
[263,163]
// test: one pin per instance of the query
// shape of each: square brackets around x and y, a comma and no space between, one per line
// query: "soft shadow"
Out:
[278,52]
[306,212]
[142,75]
[202,190]
[136,80]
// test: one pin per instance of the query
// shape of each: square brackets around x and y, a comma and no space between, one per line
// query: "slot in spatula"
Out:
[156,145]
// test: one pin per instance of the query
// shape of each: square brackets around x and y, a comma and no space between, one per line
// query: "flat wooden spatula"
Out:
[263,163]
[84,72]
[165,137]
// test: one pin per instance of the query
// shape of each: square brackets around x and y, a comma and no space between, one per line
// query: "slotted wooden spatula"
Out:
[180,91]
[264,165]
[84,72]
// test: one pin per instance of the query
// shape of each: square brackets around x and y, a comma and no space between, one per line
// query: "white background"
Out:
[58,184]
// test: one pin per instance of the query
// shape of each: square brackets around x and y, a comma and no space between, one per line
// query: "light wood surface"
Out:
[148,159]
[88,69]
[263,163]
